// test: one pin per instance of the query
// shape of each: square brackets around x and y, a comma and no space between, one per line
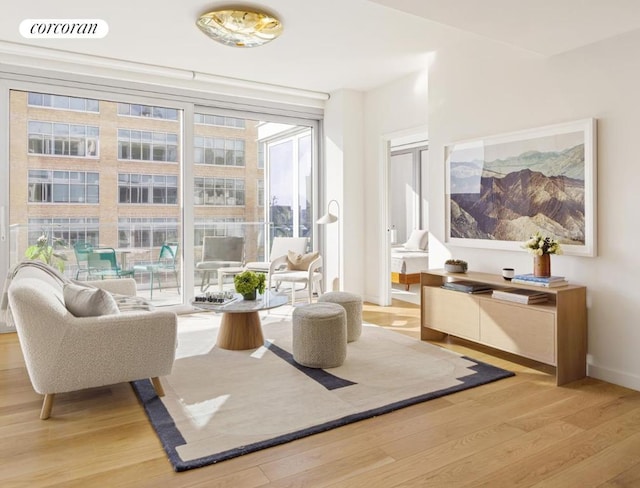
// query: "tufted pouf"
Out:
[320,335]
[352,304]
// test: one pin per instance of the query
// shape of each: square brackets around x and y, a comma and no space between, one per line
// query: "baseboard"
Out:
[620,378]
[374,299]
[5,329]
[399,292]
[409,298]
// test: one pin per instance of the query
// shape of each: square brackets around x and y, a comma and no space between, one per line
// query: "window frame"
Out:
[55,97]
[249,105]
[51,140]
[149,141]
[150,189]
[48,186]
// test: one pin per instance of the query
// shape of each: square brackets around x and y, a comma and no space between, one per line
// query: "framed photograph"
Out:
[500,190]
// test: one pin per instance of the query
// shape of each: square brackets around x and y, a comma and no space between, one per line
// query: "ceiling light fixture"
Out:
[240,28]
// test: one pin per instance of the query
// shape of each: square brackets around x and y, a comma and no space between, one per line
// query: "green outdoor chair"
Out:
[104,264]
[167,262]
[82,249]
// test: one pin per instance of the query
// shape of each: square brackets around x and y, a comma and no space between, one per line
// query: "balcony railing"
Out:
[139,245]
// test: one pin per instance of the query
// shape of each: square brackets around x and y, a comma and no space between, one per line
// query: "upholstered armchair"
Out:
[64,352]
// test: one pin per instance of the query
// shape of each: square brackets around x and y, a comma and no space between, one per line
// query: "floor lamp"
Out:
[329,218]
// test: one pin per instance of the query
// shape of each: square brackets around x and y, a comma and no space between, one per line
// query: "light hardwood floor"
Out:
[521,431]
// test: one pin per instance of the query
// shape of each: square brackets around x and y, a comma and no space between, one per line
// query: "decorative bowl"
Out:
[455,268]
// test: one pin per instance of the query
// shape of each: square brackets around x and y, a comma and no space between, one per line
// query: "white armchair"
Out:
[66,353]
[279,247]
[310,277]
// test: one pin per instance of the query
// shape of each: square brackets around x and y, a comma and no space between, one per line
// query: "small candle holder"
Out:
[508,273]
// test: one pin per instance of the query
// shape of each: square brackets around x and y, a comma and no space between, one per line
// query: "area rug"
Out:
[221,404]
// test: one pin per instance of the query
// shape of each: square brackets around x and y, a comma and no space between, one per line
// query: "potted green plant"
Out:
[455,266]
[48,253]
[248,282]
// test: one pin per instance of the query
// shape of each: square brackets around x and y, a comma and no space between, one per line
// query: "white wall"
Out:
[488,89]
[394,110]
[343,126]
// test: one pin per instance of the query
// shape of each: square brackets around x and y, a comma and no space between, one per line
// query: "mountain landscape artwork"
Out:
[507,190]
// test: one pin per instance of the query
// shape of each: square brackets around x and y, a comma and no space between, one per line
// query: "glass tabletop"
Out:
[238,305]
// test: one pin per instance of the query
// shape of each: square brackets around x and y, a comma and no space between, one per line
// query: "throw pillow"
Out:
[82,301]
[418,240]
[300,262]
[424,243]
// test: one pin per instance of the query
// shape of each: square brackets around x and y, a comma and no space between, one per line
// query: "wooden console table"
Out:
[554,332]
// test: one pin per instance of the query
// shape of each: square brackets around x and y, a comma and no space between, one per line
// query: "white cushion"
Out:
[300,262]
[418,240]
[82,301]
[262,266]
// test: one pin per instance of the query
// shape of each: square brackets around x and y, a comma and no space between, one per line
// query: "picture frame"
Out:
[502,189]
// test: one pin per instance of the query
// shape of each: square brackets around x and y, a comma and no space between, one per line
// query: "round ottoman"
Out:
[352,304]
[319,335]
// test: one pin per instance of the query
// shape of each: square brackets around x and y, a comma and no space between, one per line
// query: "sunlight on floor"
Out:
[201,413]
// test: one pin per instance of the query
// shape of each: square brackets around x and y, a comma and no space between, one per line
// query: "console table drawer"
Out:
[519,329]
[452,312]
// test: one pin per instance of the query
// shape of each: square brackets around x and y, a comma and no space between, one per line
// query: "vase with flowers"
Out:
[542,247]
[248,283]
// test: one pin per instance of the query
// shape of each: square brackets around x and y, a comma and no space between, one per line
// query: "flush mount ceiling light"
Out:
[240,28]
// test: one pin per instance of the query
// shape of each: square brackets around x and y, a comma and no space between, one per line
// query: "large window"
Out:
[141,145]
[146,232]
[63,103]
[69,229]
[220,227]
[219,191]
[290,188]
[63,187]
[58,139]
[88,169]
[219,120]
[219,151]
[260,190]
[135,110]
[147,189]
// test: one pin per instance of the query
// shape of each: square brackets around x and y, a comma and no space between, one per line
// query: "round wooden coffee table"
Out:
[241,328]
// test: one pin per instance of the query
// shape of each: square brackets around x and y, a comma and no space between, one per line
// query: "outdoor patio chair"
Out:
[82,249]
[166,262]
[103,264]
[219,252]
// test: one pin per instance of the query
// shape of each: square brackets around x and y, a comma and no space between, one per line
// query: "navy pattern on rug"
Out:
[275,363]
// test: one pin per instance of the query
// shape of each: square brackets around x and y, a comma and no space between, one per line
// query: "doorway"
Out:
[408,213]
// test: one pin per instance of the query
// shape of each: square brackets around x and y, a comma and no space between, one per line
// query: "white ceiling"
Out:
[546,27]
[327,44]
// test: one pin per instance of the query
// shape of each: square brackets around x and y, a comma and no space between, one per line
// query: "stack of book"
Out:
[520,296]
[547,281]
[467,286]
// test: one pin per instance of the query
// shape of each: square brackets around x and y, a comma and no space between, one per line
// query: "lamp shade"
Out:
[327,218]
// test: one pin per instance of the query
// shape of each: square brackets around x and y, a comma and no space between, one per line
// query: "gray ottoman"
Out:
[319,335]
[352,304]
